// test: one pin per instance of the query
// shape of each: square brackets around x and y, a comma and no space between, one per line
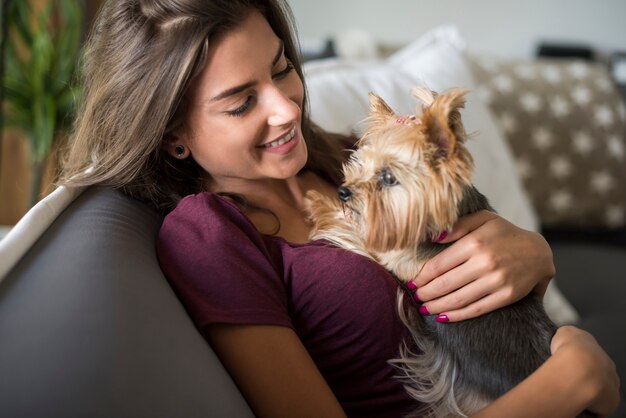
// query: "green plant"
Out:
[40,61]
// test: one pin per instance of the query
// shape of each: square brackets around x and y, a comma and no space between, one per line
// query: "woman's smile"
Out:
[284,144]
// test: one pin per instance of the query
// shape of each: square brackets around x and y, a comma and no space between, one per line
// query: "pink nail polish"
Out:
[441,236]
[443,318]
[411,286]
[424,310]
[417,298]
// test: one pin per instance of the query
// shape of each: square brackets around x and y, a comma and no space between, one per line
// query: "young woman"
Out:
[198,108]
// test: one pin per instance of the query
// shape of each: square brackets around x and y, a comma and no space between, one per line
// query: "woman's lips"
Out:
[283,145]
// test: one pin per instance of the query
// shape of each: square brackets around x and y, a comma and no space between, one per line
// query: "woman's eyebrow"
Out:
[238,89]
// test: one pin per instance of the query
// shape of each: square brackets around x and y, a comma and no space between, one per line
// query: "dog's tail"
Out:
[428,372]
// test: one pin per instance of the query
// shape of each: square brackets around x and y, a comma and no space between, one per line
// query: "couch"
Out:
[90,327]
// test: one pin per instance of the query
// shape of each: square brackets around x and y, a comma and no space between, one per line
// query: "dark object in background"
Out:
[326,51]
[555,50]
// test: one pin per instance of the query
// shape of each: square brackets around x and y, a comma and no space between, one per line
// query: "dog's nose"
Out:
[344,193]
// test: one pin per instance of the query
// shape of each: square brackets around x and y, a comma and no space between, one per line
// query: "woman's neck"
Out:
[282,202]
[267,193]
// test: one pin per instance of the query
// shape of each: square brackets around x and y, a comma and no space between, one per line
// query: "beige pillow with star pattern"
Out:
[565,121]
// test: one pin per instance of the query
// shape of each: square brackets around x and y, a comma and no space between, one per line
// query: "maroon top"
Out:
[340,304]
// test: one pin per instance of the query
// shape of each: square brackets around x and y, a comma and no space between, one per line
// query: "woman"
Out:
[198,108]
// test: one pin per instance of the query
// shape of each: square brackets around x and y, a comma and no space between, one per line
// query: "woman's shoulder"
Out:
[206,210]
[207,220]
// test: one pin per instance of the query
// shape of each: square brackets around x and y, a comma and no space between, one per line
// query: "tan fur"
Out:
[409,180]
[424,154]
[391,223]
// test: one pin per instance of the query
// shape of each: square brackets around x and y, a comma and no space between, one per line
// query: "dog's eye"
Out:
[387,178]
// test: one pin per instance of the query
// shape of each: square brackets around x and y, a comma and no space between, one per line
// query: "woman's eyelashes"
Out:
[250,99]
[284,73]
[241,109]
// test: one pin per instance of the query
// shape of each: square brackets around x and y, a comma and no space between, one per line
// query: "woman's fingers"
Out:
[477,297]
[492,256]
[456,254]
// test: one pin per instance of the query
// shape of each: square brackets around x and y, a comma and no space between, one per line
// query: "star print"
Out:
[601,181]
[531,102]
[615,147]
[489,64]
[542,138]
[552,74]
[604,84]
[615,215]
[582,142]
[503,83]
[560,201]
[508,123]
[578,70]
[525,71]
[603,116]
[560,167]
[524,168]
[559,106]
[581,95]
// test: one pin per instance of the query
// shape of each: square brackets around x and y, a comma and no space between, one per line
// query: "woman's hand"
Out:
[491,264]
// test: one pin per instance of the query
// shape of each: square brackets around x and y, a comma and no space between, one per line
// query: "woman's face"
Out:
[244,118]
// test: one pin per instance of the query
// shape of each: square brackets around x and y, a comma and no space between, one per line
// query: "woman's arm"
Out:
[579,376]
[274,371]
[490,264]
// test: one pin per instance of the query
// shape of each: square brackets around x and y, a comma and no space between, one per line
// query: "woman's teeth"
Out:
[282,140]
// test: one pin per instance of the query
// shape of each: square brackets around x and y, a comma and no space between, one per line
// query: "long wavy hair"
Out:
[138,63]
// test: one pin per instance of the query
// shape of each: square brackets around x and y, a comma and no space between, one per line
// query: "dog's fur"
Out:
[408,180]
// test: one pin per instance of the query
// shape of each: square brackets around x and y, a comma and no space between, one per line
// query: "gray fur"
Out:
[457,368]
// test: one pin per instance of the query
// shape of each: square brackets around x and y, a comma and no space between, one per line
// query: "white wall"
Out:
[506,27]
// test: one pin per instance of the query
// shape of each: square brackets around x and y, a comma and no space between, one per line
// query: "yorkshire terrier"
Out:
[409,180]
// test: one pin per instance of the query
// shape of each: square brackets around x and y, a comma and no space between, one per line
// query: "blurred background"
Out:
[510,28]
[39,44]
[37,108]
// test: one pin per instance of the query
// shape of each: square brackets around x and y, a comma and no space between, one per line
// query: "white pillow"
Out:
[337,91]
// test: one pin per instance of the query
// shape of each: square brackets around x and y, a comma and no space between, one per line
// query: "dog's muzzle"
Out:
[344,193]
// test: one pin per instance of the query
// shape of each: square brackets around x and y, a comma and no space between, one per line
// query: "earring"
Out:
[179,150]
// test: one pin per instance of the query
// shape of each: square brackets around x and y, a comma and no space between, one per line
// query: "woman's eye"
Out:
[387,178]
[241,109]
[284,73]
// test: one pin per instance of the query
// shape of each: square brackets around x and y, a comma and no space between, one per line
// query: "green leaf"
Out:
[18,15]
[41,58]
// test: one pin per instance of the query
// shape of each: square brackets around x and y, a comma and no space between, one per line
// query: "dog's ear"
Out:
[379,110]
[441,120]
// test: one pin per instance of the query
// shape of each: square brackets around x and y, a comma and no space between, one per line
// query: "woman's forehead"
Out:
[240,56]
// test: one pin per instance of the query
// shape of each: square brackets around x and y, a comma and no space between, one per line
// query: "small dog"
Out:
[408,181]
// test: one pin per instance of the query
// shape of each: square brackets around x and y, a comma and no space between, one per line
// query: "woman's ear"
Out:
[176,147]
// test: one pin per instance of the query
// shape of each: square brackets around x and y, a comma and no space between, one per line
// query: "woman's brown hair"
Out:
[138,63]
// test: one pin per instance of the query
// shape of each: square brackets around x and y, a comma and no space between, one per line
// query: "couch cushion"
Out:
[566,123]
[337,91]
[90,327]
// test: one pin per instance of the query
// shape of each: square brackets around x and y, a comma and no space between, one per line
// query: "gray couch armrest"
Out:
[90,327]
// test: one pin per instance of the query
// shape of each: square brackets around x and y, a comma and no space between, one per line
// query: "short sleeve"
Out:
[220,266]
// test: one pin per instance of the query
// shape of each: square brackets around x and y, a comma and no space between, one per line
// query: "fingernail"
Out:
[416,298]
[443,318]
[441,236]
[411,286]
[424,310]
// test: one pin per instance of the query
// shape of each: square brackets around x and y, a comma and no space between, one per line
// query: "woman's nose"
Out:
[283,110]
